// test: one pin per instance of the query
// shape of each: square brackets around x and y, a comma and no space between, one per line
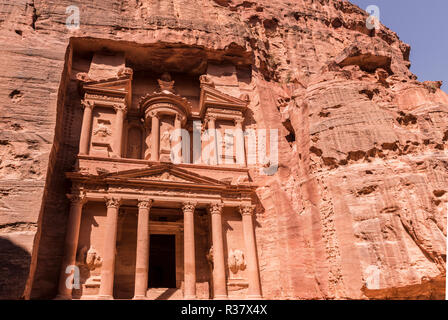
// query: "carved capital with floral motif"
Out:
[112,202]
[189,206]
[120,107]
[87,104]
[216,208]
[77,198]
[247,210]
[145,203]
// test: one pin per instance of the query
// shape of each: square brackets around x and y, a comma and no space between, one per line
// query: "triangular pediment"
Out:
[108,85]
[213,97]
[166,173]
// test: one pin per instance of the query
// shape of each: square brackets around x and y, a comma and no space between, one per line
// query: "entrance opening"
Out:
[162,261]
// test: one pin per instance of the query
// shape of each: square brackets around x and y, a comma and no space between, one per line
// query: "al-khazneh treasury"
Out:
[355,210]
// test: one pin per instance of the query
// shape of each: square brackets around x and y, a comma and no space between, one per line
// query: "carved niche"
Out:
[134,143]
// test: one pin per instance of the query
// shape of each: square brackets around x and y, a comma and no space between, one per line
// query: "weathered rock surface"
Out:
[363,178]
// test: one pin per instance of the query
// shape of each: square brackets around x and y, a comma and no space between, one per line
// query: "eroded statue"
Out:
[236,261]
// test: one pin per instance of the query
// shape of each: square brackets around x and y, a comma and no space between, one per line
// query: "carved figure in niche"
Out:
[102,130]
[236,261]
[165,142]
[209,256]
[166,83]
[205,80]
[89,258]
[83,77]
[125,72]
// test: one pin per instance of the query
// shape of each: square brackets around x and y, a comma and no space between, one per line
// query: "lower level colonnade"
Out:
[143,248]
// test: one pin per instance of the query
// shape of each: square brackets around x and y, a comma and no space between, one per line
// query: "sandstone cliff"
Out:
[363,181]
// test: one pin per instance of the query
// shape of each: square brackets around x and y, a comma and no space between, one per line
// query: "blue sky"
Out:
[424,25]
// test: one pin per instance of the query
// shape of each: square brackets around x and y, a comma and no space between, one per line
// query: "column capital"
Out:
[120,107]
[179,117]
[145,203]
[77,198]
[210,118]
[247,210]
[112,202]
[189,206]
[87,104]
[154,114]
[216,208]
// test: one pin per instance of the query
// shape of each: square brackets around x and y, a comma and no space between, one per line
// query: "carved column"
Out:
[86,127]
[189,251]
[119,122]
[110,241]
[211,120]
[253,272]
[71,245]
[240,151]
[155,136]
[219,271]
[142,258]
[148,142]
[178,139]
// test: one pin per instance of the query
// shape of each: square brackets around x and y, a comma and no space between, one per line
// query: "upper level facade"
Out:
[172,118]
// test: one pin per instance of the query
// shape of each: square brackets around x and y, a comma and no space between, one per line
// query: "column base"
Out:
[221,297]
[139,298]
[254,297]
[63,297]
[190,297]
[105,297]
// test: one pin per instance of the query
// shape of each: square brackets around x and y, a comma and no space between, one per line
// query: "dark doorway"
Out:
[162,261]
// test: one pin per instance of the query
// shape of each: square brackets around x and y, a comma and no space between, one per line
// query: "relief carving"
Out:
[166,83]
[205,80]
[102,130]
[165,142]
[89,258]
[236,261]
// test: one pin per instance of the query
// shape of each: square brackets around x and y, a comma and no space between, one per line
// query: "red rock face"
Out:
[362,184]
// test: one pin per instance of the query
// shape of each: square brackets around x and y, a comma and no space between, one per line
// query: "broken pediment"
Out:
[118,88]
[217,100]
